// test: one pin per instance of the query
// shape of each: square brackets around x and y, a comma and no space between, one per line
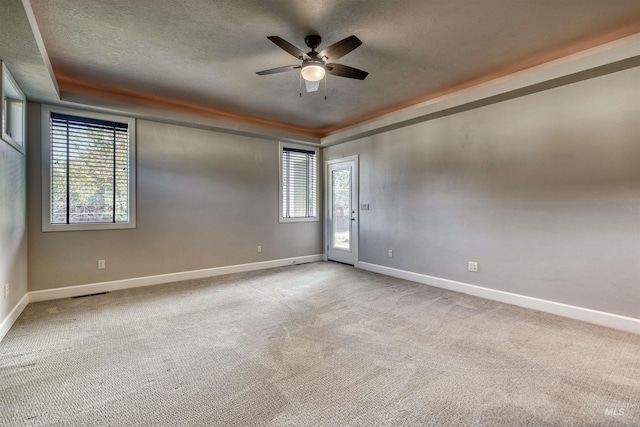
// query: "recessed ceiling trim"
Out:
[449,99]
[40,42]
[74,85]
[102,105]
[567,54]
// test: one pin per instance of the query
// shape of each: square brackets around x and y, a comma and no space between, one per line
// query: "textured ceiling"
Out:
[207,52]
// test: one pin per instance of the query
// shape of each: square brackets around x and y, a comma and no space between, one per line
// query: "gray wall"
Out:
[543,191]
[205,199]
[13,227]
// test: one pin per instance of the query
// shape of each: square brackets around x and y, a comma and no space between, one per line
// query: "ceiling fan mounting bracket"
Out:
[313,41]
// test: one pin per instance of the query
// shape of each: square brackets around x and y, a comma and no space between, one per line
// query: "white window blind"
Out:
[89,170]
[299,183]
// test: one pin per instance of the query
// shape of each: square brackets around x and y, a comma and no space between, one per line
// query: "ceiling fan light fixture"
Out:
[313,72]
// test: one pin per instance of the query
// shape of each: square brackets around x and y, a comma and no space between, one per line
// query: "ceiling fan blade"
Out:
[278,70]
[340,49]
[283,44]
[311,86]
[344,71]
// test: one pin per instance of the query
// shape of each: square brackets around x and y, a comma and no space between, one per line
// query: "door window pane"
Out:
[341,204]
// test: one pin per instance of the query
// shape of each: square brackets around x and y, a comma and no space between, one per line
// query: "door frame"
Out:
[356,202]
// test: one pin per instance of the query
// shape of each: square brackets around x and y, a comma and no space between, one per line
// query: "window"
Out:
[88,170]
[298,183]
[13,111]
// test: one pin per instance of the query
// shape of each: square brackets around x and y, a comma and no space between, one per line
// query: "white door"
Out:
[341,182]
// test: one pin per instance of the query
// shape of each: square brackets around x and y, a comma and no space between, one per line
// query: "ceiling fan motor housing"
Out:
[313,41]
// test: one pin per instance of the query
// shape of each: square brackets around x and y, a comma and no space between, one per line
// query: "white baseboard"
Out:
[11,318]
[610,320]
[93,288]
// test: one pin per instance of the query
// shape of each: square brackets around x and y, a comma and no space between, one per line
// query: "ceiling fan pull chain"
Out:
[300,86]
[325,87]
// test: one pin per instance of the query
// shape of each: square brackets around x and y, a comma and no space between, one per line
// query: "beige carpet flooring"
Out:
[311,345]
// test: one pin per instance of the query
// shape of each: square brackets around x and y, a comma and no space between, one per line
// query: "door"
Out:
[341,182]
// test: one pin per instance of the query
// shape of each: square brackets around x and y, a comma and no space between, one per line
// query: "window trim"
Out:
[281,146]
[7,85]
[46,111]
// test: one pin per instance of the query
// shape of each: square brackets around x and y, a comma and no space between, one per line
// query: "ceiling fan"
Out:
[316,64]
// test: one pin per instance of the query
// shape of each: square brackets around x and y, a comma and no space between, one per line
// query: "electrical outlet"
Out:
[472,266]
[6,291]
[390,253]
[364,206]
[102,264]
[259,248]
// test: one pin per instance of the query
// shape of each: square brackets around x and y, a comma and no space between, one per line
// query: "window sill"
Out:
[310,219]
[47,227]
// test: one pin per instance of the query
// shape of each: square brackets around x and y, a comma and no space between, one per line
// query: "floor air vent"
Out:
[90,295]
